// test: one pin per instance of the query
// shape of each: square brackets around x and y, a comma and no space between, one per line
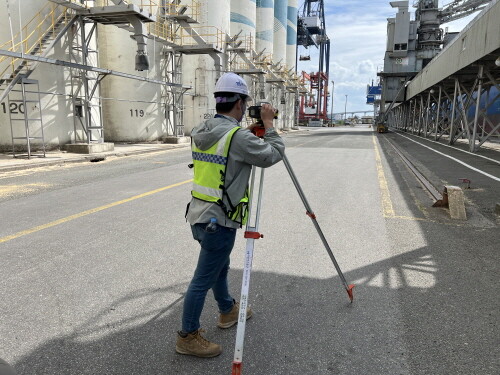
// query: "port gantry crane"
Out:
[311,31]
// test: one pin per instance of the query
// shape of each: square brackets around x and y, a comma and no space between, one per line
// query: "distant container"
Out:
[315,122]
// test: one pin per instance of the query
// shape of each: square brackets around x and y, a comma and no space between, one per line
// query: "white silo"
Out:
[243,13]
[264,26]
[131,109]
[280,30]
[291,35]
[200,71]
[279,56]
[291,59]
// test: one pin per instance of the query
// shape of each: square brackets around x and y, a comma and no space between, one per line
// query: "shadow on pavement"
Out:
[303,325]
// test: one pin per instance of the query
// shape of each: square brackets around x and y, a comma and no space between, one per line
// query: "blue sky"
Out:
[357,30]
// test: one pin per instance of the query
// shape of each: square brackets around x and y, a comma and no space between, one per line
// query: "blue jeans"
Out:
[211,273]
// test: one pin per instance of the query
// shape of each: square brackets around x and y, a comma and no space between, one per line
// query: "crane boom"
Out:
[461,8]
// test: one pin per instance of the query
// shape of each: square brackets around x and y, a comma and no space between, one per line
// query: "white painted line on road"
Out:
[455,159]
[455,148]
[88,212]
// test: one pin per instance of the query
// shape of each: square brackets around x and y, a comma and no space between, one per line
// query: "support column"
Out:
[453,108]
[428,109]
[437,115]
[421,116]
[472,142]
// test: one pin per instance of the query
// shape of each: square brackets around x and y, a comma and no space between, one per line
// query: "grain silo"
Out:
[201,71]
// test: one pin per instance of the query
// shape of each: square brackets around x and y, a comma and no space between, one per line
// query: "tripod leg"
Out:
[310,213]
[251,234]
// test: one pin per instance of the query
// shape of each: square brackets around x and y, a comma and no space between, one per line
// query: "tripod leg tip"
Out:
[349,291]
[236,368]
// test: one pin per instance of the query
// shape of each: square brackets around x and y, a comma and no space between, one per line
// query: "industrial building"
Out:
[443,85]
[80,74]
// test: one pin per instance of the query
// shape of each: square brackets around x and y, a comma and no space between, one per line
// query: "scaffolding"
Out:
[453,110]
[172,24]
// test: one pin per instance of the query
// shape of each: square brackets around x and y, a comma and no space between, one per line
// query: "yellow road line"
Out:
[384,190]
[88,212]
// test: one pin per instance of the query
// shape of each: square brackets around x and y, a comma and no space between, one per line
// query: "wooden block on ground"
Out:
[456,202]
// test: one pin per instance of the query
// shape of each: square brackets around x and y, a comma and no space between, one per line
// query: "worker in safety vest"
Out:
[223,155]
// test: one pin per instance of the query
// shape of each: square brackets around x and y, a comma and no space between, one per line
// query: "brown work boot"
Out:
[195,344]
[231,318]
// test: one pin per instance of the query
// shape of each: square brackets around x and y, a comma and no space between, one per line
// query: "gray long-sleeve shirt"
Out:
[246,150]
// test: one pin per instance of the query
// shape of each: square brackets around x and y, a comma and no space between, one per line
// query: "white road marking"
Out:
[455,159]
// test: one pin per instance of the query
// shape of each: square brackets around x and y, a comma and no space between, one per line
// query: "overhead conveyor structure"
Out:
[78,51]
[455,97]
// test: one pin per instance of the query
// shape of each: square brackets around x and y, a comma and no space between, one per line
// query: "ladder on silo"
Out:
[172,98]
[25,113]
[85,85]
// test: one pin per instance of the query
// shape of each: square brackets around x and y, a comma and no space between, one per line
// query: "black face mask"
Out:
[243,109]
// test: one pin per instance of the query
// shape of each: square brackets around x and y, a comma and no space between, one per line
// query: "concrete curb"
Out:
[82,158]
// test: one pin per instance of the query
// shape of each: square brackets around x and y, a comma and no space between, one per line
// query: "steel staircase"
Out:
[37,36]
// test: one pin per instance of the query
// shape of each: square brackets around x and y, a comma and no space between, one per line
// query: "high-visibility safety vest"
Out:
[209,177]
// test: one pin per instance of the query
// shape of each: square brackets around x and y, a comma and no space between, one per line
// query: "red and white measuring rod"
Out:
[251,234]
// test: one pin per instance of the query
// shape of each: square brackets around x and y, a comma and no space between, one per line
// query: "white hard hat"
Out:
[231,82]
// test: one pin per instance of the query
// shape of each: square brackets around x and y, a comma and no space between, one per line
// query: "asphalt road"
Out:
[95,258]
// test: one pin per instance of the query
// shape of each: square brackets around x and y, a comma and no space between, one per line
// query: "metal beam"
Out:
[87,68]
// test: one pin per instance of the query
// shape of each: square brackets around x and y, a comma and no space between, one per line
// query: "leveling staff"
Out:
[223,155]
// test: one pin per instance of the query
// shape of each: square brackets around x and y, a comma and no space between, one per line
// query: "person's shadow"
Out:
[301,325]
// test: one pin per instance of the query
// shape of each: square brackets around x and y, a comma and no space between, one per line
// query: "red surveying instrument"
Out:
[252,234]
[254,112]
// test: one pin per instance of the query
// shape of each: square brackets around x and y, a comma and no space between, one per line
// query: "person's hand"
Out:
[267,114]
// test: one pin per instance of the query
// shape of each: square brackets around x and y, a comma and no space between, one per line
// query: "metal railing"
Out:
[31,38]
[162,9]
[211,34]
[244,43]
[265,60]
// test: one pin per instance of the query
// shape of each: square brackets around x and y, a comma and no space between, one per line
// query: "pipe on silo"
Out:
[291,35]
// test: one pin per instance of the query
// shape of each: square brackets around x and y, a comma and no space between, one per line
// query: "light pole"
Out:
[345,109]
[331,110]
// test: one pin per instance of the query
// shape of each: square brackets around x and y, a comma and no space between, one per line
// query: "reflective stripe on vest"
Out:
[209,173]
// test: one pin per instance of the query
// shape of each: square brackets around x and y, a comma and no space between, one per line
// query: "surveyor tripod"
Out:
[251,234]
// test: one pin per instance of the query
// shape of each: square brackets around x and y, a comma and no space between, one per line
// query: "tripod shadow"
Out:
[301,325]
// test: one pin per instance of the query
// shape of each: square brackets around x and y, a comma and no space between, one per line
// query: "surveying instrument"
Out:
[252,233]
